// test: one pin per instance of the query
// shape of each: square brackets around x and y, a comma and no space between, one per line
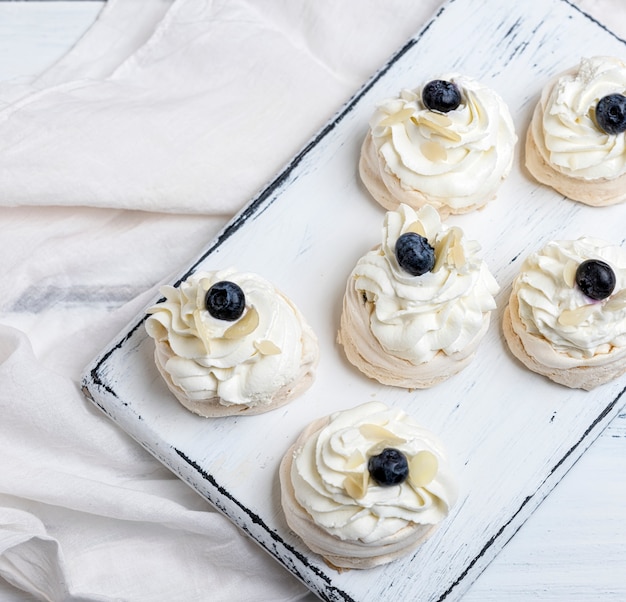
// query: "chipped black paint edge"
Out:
[330,593]
[93,376]
[494,538]
[594,20]
[257,520]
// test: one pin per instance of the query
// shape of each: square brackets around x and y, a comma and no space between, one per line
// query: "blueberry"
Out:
[611,113]
[389,467]
[440,95]
[414,254]
[225,301]
[595,278]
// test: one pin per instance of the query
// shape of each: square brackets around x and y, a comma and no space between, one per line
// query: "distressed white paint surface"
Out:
[512,434]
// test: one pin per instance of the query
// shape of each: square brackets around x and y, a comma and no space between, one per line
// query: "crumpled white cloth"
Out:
[202,113]
[182,109]
[77,491]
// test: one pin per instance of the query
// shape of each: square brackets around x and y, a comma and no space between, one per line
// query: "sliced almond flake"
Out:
[205,337]
[418,228]
[205,284]
[398,117]
[355,484]
[373,431]
[458,255]
[243,326]
[441,249]
[440,119]
[433,151]
[266,347]
[616,301]
[573,317]
[569,273]
[423,468]
[444,132]
[356,459]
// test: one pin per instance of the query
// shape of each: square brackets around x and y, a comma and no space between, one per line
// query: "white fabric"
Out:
[182,109]
[202,113]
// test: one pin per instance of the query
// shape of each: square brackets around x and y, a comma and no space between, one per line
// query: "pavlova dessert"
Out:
[365,486]
[449,144]
[576,141]
[417,305]
[229,342]
[566,317]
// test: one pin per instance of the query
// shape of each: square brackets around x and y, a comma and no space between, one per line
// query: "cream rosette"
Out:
[243,362]
[414,318]
[331,481]
[567,329]
[415,331]
[335,501]
[564,126]
[455,160]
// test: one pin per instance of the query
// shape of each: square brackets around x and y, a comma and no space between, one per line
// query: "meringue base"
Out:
[337,553]
[215,407]
[388,191]
[579,377]
[364,351]
[600,192]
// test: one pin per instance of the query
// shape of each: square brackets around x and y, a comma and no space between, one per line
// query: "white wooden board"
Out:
[511,434]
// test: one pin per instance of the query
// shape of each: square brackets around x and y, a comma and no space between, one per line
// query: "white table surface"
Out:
[574,546]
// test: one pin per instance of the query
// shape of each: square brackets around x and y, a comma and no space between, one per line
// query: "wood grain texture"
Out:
[512,435]
[34,35]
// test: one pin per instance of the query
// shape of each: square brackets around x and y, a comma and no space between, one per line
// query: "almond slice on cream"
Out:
[423,467]
[373,431]
[395,118]
[616,301]
[243,326]
[266,347]
[355,484]
[446,249]
[417,228]
[569,273]
[355,460]
[573,317]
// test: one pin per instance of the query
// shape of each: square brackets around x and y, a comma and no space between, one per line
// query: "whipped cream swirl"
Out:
[564,126]
[459,157]
[444,310]
[243,362]
[328,464]
[568,327]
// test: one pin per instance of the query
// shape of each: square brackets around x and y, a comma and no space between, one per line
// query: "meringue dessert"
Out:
[575,142]
[449,144]
[365,486]
[566,317]
[229,342]
[416,306]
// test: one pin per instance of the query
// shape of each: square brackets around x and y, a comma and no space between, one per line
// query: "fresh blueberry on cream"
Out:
[225,301]
[414,254]
[442,96]
[595,278]
[611,113]
[389,467]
